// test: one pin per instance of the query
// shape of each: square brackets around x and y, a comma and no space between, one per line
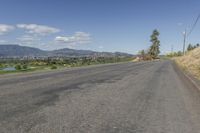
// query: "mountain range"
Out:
[9,50]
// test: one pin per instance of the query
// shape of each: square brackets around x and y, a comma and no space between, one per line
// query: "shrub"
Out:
[24,66]
[53,67]
[18,67]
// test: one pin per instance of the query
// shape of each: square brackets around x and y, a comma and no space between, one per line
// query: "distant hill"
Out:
[71,52]
[87,53]
[22,51]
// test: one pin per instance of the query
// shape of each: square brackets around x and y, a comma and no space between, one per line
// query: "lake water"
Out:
[9,69]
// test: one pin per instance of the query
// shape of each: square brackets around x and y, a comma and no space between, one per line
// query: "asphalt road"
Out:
[150,97]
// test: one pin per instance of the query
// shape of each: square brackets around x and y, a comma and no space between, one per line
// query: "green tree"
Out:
[18,67]
[1,65]
[154,49]
[179,53]
[25,66]
[190,47]
[142,52]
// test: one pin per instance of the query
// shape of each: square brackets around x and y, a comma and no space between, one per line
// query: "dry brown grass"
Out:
[190,62]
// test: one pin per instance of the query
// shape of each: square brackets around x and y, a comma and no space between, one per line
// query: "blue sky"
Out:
[102,25]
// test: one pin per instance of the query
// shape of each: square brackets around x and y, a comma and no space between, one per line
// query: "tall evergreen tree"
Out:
[154,49]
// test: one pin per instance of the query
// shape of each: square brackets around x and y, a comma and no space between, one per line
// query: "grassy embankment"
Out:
[190,62]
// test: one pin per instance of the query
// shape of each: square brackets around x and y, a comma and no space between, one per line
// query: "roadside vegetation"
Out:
[153,51]
[190,62]
[179,53]
[27,65]
[174,54]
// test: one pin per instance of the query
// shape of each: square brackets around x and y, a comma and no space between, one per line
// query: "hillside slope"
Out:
[191,62]
[21,51]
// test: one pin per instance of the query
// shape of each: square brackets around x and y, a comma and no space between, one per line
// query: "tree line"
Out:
[191,47]
[60,62]
[179,53]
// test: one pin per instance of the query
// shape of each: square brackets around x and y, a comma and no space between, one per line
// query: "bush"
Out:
[18,67]
[53,67]
[24,66]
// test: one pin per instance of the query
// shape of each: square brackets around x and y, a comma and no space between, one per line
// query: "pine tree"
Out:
[154,49]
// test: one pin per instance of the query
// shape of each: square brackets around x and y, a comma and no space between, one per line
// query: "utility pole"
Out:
[184,40]
[185,34]
[172,48]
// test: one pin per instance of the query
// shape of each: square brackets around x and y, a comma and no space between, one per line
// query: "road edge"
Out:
[187,76]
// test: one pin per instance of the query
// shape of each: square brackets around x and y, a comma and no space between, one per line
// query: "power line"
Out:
[172,48]
[194,25]
[185,34]
[184,40]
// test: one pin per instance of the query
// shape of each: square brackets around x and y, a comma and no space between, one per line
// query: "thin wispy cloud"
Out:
[4,28]
[77,38]
[3,41]
[38,29]
[100,47]
[28,39]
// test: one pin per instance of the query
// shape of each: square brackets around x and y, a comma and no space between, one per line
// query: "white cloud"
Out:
[77,38]
[5,28]
[38,29]
[28,39]
[3,41]
[36,35]
[100,47]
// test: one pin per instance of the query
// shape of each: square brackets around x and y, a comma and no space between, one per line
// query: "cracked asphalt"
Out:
[145,97]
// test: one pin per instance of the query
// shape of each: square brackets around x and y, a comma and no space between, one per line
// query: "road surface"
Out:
[150,97]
